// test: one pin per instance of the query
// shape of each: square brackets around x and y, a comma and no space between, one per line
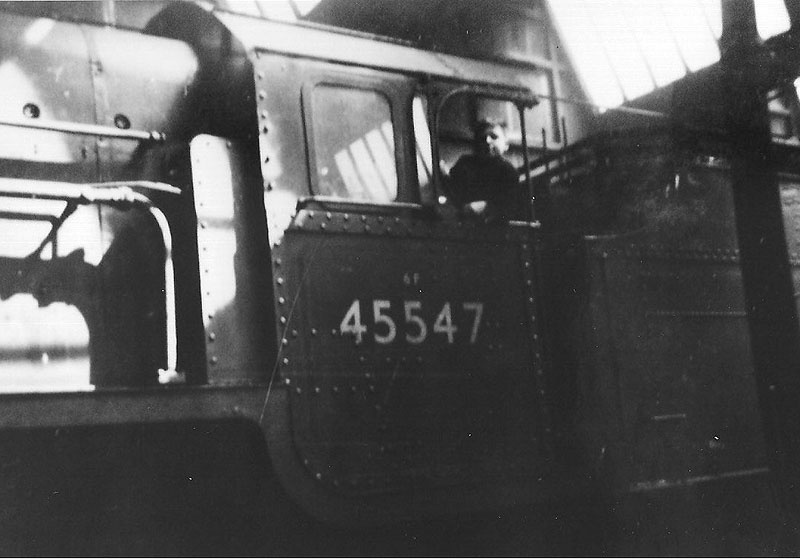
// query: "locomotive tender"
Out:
[224,218]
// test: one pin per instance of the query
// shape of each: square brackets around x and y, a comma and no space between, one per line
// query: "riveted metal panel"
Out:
[233,262]
[672,363]
[396,379]
[45,76]
[141,82]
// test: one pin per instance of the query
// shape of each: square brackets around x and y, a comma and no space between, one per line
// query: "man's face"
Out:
[491,141]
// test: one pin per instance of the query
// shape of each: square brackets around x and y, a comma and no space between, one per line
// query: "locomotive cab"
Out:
[276,243]
[386,367]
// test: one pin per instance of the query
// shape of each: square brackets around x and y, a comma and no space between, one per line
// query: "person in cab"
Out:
[484,184]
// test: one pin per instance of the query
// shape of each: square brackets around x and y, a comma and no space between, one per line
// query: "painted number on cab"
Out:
[416,329]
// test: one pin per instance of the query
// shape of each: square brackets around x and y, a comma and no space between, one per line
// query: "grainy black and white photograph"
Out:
[399,278]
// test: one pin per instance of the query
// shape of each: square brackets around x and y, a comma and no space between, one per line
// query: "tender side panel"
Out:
[674,393]
[410,359]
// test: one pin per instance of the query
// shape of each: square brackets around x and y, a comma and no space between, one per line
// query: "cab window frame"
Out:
[398,90]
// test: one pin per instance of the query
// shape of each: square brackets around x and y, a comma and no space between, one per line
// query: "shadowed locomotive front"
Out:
[239,226]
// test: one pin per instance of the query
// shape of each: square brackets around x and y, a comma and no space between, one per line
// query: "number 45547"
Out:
[384,328]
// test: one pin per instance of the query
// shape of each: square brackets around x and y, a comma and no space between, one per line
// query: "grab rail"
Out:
[88,129]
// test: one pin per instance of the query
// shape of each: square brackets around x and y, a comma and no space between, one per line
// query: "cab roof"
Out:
[322,43]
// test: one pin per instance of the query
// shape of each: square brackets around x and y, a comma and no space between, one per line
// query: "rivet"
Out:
[294,333]
[203,225]
[388,359]
[322,226]
[285,361]
[353,389]
[281,300]
[362,359]
[210,315]
[335,389]
[329,216]
[212,336]
[214,359]
[366,228]
[318,475]
[530,299]
[372,388]
[283,320]
[284,341]
[347,217]
[264,114]
[313,331]
[380,219]
[311,215]
[363,218]
[287,381]
[333,332]
[279,281]
[316,390]
[265,130]
[528,282]
[298,390]
[262,94]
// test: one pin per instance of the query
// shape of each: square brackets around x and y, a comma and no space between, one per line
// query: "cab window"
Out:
[353,144]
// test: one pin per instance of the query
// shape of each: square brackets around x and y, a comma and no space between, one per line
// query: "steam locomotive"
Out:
[229,263]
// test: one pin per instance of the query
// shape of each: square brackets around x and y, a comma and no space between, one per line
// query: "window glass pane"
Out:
[353,144]
[422,134]
[626,48]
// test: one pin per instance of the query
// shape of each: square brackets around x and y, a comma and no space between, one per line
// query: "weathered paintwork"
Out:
[400,361]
